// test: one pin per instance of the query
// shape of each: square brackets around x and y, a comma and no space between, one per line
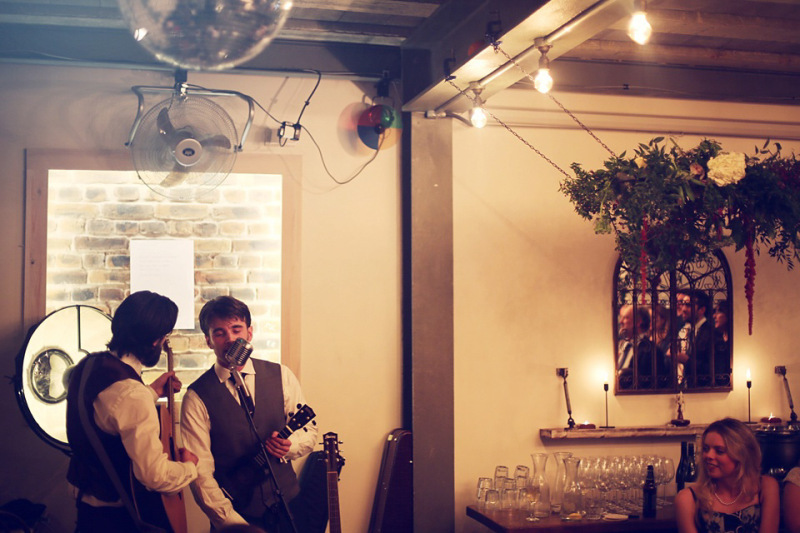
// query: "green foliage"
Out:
[662,202]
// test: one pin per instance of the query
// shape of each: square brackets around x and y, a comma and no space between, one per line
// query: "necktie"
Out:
[243,400]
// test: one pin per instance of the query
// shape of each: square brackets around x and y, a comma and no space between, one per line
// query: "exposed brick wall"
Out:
[236,231]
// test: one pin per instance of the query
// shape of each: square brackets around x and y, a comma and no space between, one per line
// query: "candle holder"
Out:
[563,373]
[793,416]
[749,386]
[605,388]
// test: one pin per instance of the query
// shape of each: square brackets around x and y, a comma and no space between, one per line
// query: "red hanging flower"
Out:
[643,260]
[749,280]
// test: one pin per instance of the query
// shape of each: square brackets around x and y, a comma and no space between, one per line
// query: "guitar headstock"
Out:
[302,417]
[330,443]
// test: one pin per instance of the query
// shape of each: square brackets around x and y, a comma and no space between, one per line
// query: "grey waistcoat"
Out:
[234,446]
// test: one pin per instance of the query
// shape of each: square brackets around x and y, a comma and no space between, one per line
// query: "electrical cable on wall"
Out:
[296,127]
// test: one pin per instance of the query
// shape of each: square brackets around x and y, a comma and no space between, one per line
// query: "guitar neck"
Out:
[171,401]
[333,503]
[331,445]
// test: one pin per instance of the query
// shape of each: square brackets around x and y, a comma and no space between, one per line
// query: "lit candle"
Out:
[771,419]
[749,383]
[586,425]
[605,382]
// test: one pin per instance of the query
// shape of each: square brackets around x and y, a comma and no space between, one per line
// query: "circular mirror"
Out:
[52,347]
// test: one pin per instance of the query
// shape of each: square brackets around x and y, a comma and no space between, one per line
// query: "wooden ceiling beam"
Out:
[691,56]
[377,7]
[720,25]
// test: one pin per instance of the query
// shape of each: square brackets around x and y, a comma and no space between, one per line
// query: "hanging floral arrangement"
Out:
[667,206]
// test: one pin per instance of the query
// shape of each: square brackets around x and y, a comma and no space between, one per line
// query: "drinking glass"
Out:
[527,503]
[509,499]
[521,471]
[665,474]
[500,471]
[484,484]
[492,502]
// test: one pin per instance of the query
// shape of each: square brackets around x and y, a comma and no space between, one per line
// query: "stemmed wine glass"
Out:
[664,474]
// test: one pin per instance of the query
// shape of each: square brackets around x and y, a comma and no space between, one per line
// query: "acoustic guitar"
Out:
[330,444]
[174,504]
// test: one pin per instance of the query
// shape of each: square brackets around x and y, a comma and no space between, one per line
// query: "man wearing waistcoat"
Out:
[231,488]
[121,411]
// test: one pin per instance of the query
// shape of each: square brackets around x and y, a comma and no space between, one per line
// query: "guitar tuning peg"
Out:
[314,422]
[305,429]
[299,405]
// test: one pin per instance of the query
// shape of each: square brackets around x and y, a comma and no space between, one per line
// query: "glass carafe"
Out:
[561,478]
[539,487]
[572,497]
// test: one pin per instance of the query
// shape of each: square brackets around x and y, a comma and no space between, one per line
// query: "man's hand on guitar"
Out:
[277,446]
[160,384]
[186,456]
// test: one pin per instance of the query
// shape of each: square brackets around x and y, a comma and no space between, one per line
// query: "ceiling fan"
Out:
[185,145]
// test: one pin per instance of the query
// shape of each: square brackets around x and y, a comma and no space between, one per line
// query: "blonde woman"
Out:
[730,493]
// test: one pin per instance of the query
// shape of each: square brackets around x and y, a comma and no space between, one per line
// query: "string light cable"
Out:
[497,49]
[510,130]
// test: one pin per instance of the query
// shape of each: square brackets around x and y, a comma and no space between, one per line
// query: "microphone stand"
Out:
[241,389]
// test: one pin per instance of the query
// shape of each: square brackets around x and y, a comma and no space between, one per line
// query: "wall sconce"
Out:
[543,80]
[639,29]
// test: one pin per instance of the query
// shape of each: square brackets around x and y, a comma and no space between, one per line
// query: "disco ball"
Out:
[205,34]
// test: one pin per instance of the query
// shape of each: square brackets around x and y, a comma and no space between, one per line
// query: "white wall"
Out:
[533,282]
[350,279]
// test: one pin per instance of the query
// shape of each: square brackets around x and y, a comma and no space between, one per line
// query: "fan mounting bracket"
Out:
[181,89]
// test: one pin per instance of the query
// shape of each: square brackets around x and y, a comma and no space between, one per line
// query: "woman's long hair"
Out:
[742,447]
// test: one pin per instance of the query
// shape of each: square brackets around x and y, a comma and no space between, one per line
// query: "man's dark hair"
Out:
[701,299]
[140,320]
[223,307]
[643,319]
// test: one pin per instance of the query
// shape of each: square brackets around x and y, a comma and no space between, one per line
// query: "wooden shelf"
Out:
[633,432]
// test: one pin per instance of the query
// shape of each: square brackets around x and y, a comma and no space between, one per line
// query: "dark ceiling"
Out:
[740,50]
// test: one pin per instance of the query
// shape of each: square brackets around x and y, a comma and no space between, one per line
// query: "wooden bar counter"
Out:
[514,522]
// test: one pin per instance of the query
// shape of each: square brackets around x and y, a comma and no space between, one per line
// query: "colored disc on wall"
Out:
[376,122]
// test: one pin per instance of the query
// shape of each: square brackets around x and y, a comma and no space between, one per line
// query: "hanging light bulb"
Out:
[477,116]
[639,29]
[543,81]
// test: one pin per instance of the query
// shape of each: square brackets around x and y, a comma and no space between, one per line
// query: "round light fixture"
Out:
[204,35]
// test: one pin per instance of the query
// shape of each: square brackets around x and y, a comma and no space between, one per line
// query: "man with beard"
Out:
[121,413]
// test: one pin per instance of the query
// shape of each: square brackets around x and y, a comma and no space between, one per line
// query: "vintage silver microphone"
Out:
[236,356]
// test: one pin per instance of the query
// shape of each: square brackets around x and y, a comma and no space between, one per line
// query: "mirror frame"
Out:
[710,274]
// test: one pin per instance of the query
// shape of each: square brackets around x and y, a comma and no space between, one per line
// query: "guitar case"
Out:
[392,509]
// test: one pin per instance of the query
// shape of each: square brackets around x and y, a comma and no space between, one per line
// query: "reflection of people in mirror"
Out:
[635,341]
[695,338]
[660,333]
[722,346]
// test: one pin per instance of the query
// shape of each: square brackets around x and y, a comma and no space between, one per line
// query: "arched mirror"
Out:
[674,331]
[53,346]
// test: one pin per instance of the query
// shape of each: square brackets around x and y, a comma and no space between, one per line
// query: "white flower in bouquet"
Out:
[727,168]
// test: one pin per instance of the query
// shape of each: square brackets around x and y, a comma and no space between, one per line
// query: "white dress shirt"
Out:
[125,408]
[196,434]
